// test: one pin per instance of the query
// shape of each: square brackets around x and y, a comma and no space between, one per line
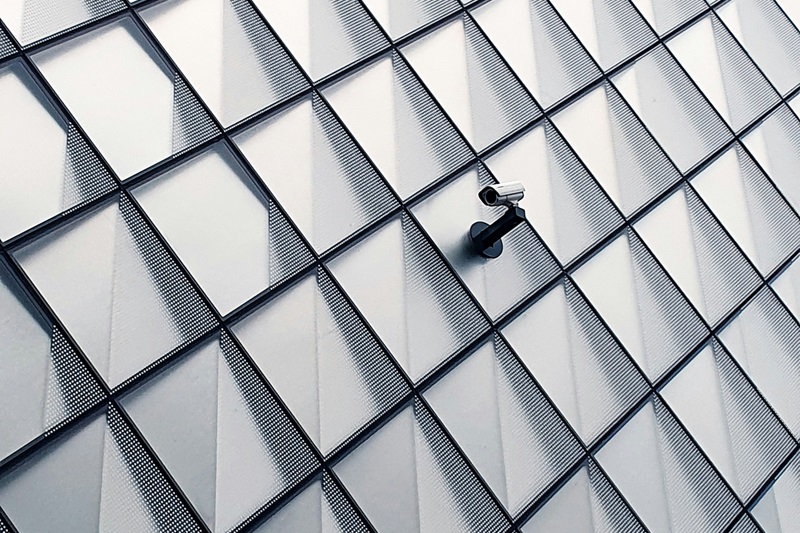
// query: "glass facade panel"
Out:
[406,292]
[641,304]
[231,238]
[324,36]
[253,455]
[341,191]
[539,47]
[399,125]
[611,30]
[116,289]
[47,165]
[694,249]
[249,72]
[666,479]
[769,37]
[576,360]
[131,105]
[471,81]
[322,360]
[735,428]
[616,148]
[406,475]
[105,482]
[401,17]
[779,504]
[505,426]
[665,15]
[672,108]
[321,507]
[736,88]
[587,502]
[37,20]
[43,382]
[764,338]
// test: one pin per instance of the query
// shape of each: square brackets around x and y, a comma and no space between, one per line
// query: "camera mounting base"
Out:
[494,250]
[487,238]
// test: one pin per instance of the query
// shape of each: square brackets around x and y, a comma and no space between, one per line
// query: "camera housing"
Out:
[508,194]
[486,238]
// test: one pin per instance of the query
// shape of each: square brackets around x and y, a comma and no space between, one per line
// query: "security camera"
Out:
[508,193]
[487,238]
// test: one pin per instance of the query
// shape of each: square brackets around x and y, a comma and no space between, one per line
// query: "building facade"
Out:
[237,291]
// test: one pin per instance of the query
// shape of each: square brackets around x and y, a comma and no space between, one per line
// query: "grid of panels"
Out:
[234,290]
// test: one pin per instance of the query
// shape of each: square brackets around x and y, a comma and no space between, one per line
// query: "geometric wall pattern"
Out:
[236,292]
